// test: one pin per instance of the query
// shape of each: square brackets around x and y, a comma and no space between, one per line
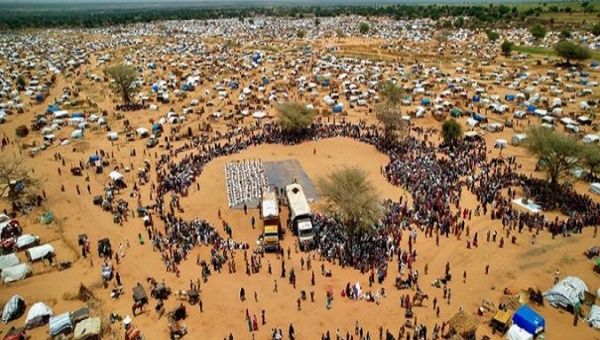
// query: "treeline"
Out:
[482,15]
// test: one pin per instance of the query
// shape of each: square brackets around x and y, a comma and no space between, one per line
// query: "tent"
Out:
[337,108]
[501,143]
[89,328]
[529,320]
[590,138]
[38,315]
[517,333]
[142,132]
[569,292]
[425,101]
[15,273]
[112,135]
[39,252]
[455,112]
[26,241]
[595,187]
[77,134]
[115,175]
[10,260]
[594,318]
[60,324]
[259,114]
[518,139]
[13,309]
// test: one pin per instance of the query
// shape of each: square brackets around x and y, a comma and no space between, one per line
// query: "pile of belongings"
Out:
[592,252]
[14,308]
[594,317]
[569,292]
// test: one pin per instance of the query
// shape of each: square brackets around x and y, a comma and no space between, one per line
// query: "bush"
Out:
[21,131]
[572,51]
[538,31]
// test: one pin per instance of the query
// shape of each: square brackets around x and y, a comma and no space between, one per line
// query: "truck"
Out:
[300,215]
[269,213]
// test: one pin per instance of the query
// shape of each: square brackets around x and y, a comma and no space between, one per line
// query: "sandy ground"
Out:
[516,267]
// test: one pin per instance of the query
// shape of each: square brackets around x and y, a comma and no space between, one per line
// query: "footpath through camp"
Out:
[169,179]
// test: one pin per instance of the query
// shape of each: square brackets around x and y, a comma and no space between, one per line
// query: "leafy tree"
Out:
[451,131]
[294,117]
[506,47]
[596,29]
[351,198]
[391,92]
[123,77]
[565,33]
[17,180]
[572,51]
[459,22]
[557,153]
[591,159]
[21,83]
[363,28]
[317,22]
[300,34]
[493,35]
[390,117]
[538,31]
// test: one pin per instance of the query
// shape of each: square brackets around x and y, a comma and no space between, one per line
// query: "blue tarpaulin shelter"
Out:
[510,97]
[529,320]
[476,99]
[94,158]
[531,108]
[53,108]
[155,88]
[479,117]
[425,101]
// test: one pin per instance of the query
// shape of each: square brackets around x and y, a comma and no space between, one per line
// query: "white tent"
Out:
[501,143]
[568,292]
[15,273]
[77,134]
[141,131]
[26,240]
[517,333]
[590,138]
[38,315]
[112,135]
[14,308]
[7,261]
[259,114]
[115,175]
[39,252]
[518,138]
[595,187]
[594,318]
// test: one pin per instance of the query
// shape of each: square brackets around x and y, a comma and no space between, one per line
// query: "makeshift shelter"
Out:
[13,309]
[60,324]
[518,139]
[517,333]
[594,318]
[595,187]
[590,138]
[112,135]
[10,260]
[501,143]
[38,315]
[568,293]
[529,320]
[88,329]
[39,252]
[15,273]
[464,325]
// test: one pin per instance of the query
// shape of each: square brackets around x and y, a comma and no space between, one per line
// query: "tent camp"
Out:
[38,315]
[15,273]
[7,261]
[89,328]
[60,324]
[517,333]
[13,309]
[39,252]
[529,320]
[569,292]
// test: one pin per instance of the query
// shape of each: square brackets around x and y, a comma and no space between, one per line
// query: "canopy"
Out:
[529,320]
[38,315]
[15,273]
[13,308]
[39,252]
[88,328]
[60,323]
[568,292]
[517,333]
[7,261]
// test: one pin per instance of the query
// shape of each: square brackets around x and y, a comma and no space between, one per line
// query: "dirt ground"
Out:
[515,267]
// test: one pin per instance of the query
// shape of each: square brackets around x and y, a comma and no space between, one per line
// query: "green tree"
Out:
[596,29]
[391,92]
[557,153]
[300,34]
[317,22]
[538,31]
[565,33]
[123,81]
[294,117]
[21,83]
[451,131]
[572,51]
[389,115]
[492,35]
[506,47]
[363,28]
[351,198]
[591,159]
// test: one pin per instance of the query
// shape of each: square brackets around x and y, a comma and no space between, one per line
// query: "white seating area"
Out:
[245,181]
